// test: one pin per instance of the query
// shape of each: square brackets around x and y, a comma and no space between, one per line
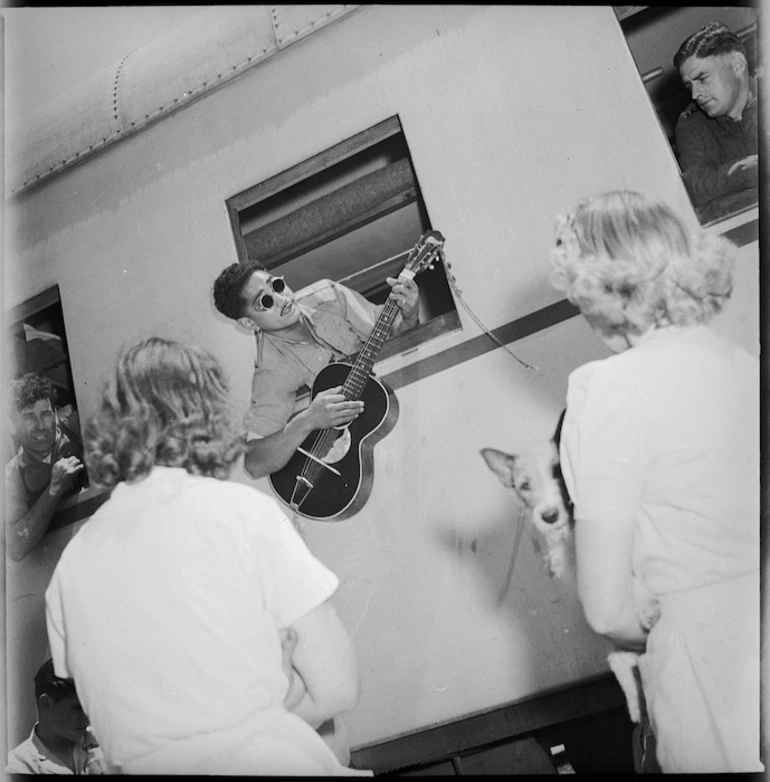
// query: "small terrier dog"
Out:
[535,475]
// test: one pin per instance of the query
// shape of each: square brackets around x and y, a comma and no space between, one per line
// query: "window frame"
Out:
[350,147]
[732,204]
[74,507]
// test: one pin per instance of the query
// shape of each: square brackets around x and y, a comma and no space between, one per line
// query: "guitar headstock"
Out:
[423,255]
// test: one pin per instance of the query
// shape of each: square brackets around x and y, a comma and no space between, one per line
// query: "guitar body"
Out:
[340,476]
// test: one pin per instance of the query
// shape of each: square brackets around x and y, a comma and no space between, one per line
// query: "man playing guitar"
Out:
[297,337]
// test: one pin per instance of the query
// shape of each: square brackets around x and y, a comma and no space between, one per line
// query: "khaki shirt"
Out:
[339,320]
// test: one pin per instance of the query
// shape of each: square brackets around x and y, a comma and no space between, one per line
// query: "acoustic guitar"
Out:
[330,476]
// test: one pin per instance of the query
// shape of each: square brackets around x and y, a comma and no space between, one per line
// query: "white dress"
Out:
[667,433]
[165,608]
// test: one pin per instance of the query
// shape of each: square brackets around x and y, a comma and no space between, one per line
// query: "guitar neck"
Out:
[421,257]
[359,374]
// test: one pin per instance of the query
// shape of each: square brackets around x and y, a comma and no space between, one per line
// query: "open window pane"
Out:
[37,343]
[350,214]
[654,34]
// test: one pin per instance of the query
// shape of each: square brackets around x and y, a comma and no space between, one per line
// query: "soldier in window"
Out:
[47,466]
[716,135]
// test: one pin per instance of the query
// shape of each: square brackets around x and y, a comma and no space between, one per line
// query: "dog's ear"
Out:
[502,464]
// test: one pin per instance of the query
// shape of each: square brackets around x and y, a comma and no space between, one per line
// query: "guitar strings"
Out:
[356,379]
[354,384]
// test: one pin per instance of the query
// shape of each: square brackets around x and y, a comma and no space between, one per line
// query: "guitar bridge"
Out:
[302,486]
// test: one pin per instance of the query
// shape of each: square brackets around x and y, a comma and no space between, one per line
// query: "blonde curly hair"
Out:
[629,263]
[165,404]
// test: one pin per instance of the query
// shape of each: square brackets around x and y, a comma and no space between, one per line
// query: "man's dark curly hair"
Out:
[165,404]
[28,389]
[48,683]
[228,288]
[710,40]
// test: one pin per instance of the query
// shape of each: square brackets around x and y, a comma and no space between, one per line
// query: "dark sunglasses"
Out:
[265,301]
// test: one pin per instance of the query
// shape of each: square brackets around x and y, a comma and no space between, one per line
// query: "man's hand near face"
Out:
[63,475]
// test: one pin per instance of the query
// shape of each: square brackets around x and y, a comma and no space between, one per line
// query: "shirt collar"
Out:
[79,750]
[660,333]
[751,101]
[306,314]
[43,752]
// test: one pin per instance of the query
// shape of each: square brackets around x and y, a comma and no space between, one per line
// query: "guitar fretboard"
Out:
[359,374]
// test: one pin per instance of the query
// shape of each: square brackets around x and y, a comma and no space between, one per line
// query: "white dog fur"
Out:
[535,475]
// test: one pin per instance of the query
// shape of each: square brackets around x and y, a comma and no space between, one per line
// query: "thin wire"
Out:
[514,553]
[453,285]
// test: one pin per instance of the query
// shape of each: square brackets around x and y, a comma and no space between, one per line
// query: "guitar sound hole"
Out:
[339,447]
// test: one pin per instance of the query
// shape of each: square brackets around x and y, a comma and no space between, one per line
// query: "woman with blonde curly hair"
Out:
[166,404]
[660,454]
[176,606]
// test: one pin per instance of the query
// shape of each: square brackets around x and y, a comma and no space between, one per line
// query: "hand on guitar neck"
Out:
[327,410]
[405,293]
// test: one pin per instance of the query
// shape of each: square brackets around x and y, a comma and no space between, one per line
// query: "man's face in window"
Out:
[714,82]
[36,428]
[258,293]
[65,718]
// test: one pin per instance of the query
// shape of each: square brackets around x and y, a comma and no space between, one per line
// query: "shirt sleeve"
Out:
[273,397]
[602,443]
[294,581]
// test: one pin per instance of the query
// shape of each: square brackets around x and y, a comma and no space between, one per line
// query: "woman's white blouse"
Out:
[667,433]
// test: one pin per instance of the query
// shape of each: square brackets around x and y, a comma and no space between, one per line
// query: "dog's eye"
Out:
[524,486]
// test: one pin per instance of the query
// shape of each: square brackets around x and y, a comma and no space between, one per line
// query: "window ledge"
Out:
[78,507]
[734,207]
[741,228]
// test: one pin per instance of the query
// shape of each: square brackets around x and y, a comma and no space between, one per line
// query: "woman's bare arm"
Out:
[325,660]
[604,579]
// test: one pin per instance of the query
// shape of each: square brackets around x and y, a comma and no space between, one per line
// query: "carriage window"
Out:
[350,214]
[37,343]
[654,34]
